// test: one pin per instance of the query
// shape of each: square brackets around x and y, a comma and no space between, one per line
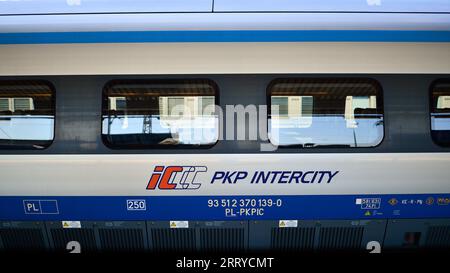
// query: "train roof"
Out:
[9,7]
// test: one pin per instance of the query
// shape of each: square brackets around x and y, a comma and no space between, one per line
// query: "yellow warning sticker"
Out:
[71,224]
[367,213]
[287,223]
[179,224]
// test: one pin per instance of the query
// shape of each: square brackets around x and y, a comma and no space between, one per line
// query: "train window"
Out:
[149,113]
[440,113]
[325,113]
[27,114]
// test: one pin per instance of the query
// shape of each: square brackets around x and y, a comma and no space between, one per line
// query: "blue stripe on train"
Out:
[224,207]
[226,36]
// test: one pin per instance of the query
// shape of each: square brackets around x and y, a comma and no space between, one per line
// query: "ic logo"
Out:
[175,177]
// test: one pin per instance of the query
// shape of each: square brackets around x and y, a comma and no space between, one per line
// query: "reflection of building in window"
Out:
[27,114]
[293,111]
[440,114]
[185,116]
[4,104]
[117,103]
[443,102]
[325,112]
[358,104]
[170,107]
[160,113]
[16,104]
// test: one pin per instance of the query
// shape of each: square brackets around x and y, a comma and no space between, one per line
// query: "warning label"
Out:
[179,224]
[71,224]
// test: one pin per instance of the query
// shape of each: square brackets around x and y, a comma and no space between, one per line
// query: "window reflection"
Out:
[26,114]
[440,113]
[314,113]
[156,113]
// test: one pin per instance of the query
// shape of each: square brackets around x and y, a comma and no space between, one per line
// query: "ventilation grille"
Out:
[438,237]
[22,239]
[292,239]
[176,240]
[340,238]
[121,239]
[222,239]
[85,237]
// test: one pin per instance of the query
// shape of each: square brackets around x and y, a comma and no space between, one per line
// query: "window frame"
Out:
[114,82]
[380,104]
[52,89]
[431,109]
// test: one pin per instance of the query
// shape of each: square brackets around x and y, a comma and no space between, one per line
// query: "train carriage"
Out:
[224,126]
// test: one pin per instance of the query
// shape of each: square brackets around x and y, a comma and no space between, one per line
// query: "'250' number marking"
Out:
[136,204]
